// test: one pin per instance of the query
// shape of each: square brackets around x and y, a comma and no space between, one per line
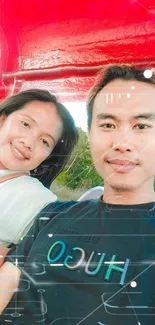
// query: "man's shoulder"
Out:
[60,206]
[63,206]
[65,209]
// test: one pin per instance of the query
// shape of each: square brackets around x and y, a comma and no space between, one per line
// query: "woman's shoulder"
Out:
[29,181]
[32,186]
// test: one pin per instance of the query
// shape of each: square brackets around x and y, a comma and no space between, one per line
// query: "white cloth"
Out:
[92,194]
[21,199]
[6,172]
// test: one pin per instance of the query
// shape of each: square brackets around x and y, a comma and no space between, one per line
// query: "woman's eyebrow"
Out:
[29,117]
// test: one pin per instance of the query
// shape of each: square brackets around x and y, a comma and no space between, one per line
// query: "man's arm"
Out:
[9,281]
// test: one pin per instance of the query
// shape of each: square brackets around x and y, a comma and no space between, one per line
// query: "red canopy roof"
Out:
[59,45]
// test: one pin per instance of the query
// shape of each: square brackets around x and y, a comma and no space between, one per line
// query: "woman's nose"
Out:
[28,143]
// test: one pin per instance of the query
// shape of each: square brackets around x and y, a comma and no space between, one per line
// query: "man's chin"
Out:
[121,187]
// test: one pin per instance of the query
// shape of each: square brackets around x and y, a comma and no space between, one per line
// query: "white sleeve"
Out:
[25,198]
[92,194]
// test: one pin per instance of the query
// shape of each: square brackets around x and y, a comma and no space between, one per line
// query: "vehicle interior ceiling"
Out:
[59,45]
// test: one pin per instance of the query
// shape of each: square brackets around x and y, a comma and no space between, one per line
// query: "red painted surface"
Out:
[59,45]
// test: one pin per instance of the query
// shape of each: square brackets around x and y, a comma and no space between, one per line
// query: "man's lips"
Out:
[19,153]
[121,162]
[122,165]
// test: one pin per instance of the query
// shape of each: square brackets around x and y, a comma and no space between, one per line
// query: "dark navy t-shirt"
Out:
[88,263]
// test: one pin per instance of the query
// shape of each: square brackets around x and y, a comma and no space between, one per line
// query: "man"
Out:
[92,262]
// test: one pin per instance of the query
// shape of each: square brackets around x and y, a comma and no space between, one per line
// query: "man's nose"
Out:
[122,142]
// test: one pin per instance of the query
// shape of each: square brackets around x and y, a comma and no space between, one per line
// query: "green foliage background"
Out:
[80,171]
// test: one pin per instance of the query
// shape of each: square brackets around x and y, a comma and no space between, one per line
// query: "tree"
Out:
[80,171]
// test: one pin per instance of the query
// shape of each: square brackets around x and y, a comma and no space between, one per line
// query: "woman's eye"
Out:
[45,142]
[107,126]
[142,126]
[26,124]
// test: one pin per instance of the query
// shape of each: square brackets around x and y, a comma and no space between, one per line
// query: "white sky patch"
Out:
[78,112]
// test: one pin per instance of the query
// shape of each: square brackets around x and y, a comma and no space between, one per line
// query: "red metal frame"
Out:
[60,45]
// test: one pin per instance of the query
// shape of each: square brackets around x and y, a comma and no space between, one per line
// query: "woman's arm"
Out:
[3,253]
[9,281]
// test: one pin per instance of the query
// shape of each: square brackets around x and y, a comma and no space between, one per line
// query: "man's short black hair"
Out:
[112,72]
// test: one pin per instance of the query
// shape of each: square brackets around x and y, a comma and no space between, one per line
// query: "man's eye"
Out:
[142,126]
[26,124]
[107,126]
[45,142]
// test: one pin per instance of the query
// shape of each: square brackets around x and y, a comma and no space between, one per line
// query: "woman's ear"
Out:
[2,119]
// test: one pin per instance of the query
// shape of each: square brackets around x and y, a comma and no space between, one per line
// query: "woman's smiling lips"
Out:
[122,165]
[18,153]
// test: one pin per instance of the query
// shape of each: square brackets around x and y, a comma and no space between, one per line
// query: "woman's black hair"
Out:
[49,169]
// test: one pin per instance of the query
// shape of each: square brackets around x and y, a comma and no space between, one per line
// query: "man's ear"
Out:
[2,119]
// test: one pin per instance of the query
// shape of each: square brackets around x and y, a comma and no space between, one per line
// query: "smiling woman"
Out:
[37,135]
[29,135]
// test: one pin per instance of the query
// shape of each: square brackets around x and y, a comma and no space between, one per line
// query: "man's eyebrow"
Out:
[31,118]
[144,116]
[104,116]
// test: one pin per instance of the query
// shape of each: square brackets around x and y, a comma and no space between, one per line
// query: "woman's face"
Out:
[28,135]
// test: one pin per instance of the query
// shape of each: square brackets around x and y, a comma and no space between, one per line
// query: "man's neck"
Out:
[138,196]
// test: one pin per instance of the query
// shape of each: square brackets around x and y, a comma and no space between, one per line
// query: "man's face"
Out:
[122,134]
